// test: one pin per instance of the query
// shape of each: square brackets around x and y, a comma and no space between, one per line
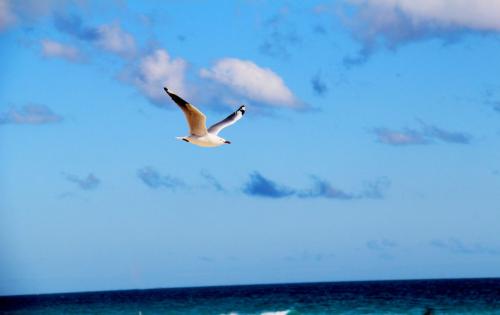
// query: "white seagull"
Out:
[198,133]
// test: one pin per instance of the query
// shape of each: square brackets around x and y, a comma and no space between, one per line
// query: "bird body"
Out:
[208,140]
[198,133]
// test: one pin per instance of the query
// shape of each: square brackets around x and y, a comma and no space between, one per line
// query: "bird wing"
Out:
[228,121]
[195,118]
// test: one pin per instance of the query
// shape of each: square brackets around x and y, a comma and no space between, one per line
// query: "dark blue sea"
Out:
[459,296]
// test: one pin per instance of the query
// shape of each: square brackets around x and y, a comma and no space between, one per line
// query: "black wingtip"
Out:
[166,90]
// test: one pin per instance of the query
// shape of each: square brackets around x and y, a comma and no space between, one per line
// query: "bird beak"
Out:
[227,142]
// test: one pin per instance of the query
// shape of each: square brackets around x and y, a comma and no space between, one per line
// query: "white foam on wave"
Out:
[276,313]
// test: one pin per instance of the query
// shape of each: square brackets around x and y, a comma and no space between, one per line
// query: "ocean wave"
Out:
[264,313]
[276,313]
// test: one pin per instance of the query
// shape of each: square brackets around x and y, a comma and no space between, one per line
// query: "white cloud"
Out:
[478,15]
[55,49]
[391,23]
[247,79]
[6,16]
[157,70]
[112,38]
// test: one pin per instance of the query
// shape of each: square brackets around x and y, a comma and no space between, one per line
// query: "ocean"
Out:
[457,296]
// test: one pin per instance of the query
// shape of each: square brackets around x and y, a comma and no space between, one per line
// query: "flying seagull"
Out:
[198,132]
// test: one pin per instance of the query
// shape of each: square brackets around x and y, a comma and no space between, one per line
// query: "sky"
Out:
[370,148]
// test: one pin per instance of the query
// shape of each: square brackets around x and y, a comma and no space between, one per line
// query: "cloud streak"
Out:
[382,248]
[456,246]
[426,135]
[260,186]
[29,115]
[90,182]
[154,180]
[324,189]
[399,137]
[380,245]
[375,189]
[73,25]
[212,180]
[434,132]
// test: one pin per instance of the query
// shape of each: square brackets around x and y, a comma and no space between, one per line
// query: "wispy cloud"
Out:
[383,248]
[27,12]
[90,182]
[153,179]
[260,186]
[399,137]
[212,180]
[434,132]
[459,247]
[380,245]
[245,79]
[491,100]
[73,25]
[425,135]
[318,85]
[281,34]
[29,115]
[307,256]
[111,38]
[206,259]
[54,49]
[391,23]
[324,189]
[375,189]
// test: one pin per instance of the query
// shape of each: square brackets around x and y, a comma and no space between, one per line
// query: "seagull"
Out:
[198,133]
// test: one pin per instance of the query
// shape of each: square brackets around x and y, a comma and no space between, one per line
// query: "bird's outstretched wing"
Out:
[195,118]
[228,121]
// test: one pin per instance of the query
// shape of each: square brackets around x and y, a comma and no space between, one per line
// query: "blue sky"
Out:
[370,148]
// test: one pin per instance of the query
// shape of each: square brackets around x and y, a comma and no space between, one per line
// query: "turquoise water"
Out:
[460,296]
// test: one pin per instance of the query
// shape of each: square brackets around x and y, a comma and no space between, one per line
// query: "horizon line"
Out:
[247,285]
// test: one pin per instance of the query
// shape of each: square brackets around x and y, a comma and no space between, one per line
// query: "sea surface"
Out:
[458,296]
